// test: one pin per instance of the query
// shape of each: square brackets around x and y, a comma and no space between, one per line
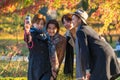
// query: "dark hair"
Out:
[67,17]
[55,22]
[38,17]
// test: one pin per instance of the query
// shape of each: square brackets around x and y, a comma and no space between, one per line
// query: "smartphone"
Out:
[27,20]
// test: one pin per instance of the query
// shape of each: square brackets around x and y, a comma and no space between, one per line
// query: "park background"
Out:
[104,17]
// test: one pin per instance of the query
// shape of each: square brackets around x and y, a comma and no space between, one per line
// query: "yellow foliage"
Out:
[12,7]
[62,31]
[11,78]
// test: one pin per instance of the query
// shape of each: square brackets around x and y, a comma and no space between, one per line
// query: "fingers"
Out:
[87,76]
[29,39]
[27,28]
[51,78]
[54,73]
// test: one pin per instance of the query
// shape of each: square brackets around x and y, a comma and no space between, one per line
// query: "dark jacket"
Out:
[69,57]
[96,55]
[39,63]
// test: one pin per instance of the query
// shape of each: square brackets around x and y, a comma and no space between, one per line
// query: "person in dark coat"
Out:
[39,67]
[70,31]
[95,58]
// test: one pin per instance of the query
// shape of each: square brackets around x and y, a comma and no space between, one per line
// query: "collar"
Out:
[79,27]
[67,33]
[33,29]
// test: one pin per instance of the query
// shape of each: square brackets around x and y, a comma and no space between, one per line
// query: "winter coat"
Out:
[96,55]
[39,63]
[69,57]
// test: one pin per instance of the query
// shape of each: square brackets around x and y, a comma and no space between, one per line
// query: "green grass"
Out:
[11,78]
[14,47]
[62,76]
[18,71]
[13,69]
[113,44]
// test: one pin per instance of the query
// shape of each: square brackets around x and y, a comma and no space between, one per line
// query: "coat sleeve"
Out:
[61,51]
[84,49]
[28,38]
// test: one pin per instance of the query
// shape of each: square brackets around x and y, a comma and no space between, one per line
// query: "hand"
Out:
[27,27]
[83,78]
[54,73]
[29,39]
[51,78]
[87,76]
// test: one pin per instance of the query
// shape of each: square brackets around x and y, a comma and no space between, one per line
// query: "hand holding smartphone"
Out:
[27,24]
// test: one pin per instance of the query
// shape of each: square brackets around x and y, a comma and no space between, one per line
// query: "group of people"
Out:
[95,58]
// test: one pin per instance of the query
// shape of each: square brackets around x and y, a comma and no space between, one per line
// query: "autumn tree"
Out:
[107,13]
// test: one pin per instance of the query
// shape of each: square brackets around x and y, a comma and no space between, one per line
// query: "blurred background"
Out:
[104,17]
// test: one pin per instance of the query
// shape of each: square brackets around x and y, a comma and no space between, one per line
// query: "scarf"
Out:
[79,72]
[53,52]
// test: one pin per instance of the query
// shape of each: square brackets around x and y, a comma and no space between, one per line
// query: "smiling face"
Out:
[39,25]
[68,24]
[76,21]
[38,21]
[52,29]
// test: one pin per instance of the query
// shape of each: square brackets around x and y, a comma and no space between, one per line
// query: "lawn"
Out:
[17,70]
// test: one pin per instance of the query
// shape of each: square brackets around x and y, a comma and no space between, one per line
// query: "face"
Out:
[52,30]
[39,25]
[76,21]
[68,24]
